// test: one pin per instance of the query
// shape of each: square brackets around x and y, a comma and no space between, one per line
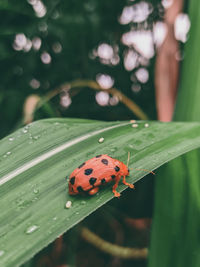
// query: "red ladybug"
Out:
[93,173]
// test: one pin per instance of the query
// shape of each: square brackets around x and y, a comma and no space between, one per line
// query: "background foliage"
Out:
[179,188]
[69,32]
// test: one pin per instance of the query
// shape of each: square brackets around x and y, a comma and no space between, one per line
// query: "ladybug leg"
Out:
[93,191]
[124,182]
[117,194]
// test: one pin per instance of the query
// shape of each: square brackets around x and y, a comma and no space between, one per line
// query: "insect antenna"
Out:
[146,171]
[128,158]
[138,169]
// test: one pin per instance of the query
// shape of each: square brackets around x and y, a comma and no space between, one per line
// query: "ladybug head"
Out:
[71,190]
[127,171]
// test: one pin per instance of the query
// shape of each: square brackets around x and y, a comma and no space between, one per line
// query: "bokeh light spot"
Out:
[38,7]
[65,100]
[159,33]
[57,47]
[36,43]
[130,60]
[142,75]
[105,81]
[136,88]
[46,58]
[34,83]
[142,41]
[181,27]
[114,100]
[105,51]
[136,13]
[102,98]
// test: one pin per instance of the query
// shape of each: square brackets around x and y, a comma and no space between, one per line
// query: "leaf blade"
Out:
[36,213]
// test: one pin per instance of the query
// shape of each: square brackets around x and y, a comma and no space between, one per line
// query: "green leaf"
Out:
[35,160]
[175,231]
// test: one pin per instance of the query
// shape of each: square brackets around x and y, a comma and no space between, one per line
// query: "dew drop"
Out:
[83,202]
[68,204]
[134,125]
[35,191]
[35,198]
[1,252]
[25,131]
[77,213]
[8,153]
[54,218]
[31,229]
[101,140]
[11,139]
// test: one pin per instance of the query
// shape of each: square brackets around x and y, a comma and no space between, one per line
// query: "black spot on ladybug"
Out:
[80,189]
[98,156]
[117,168]
[113,176]
[81,165]
[104,161]
[72,180]
[103,181]
[88,171]
[92,180]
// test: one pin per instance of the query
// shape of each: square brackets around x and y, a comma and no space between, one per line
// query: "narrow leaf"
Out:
[35,160]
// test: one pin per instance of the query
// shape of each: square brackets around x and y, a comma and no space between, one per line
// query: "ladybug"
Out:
[97,171]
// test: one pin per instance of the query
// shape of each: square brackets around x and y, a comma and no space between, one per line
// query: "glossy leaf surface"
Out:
[35,160]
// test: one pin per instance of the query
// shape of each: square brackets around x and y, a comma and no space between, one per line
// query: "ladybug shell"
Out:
[97,171]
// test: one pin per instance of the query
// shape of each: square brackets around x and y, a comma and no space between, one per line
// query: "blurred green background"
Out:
[45,44]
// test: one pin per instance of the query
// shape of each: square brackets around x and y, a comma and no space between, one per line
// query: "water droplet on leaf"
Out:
[36,137]
[68,204]
[31,229]
[35,190]
[101,140]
